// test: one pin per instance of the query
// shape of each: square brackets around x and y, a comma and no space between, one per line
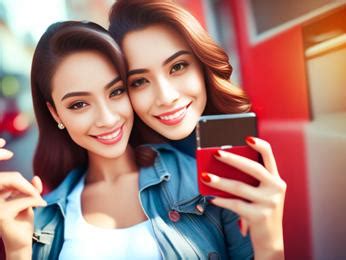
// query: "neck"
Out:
[110,169]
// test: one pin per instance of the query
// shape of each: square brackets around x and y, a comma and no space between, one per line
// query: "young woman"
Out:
[103,205]
[176,73]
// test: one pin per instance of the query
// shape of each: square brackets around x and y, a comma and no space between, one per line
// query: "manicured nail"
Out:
[205,177]
[217,154]
[250,140]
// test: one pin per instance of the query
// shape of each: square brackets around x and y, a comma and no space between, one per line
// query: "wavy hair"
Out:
[223,97]
[56,153]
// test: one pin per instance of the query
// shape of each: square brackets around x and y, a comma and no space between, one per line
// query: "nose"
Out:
[105,116]
[166,92]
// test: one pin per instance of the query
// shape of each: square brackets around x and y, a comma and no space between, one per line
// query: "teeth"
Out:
[174,116]
[110,136]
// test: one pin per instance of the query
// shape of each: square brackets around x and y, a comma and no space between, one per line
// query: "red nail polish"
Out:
[217,154]
[250,140]
[205,177]
[239,224]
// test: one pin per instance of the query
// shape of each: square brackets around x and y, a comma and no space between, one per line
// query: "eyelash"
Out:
[114,93]
[118,91]
[139,82]
[77,105]
[182,64]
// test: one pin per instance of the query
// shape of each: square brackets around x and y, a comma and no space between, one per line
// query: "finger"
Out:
[5,154]
[234,187]
[242,208]
[265,150]
[2,142]
[14,180]
[14,207]
[37,183]
[244,164]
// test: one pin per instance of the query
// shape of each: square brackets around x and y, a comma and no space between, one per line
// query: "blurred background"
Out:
[290,57]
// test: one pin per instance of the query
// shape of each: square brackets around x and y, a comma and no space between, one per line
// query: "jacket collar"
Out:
[59,195]
[187,197]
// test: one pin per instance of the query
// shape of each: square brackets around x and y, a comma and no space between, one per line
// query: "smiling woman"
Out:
[85,118]
[178,73]
[168,77]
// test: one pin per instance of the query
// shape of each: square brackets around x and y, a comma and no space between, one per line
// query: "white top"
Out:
[85,241]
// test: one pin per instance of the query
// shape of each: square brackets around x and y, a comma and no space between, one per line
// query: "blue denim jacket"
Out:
[185,225]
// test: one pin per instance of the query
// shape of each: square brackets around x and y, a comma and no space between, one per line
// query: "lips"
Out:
[173,117]
[110,137]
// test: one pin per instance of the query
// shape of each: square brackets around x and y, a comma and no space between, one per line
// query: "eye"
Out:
[138,82]
[178,67]
[117,92]
[77,105]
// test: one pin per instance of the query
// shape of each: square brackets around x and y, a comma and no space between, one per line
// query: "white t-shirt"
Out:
[85,241]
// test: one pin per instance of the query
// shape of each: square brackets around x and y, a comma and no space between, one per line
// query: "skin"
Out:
[168,77]
[152,80]
[90,105]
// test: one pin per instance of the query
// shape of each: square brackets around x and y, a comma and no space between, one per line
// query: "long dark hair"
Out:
[222,96]
[56,154]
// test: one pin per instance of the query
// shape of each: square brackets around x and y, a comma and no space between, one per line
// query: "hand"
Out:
[263,210]
[17,198]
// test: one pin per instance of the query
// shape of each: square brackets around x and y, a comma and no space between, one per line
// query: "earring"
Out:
[61,126]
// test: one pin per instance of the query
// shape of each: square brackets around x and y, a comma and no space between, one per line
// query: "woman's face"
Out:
[166,81]
[92,102]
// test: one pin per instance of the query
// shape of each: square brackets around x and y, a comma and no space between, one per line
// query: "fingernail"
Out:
[217,154]
[205,177]
[250,140]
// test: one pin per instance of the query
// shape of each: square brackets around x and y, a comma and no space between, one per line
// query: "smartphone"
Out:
[224,132]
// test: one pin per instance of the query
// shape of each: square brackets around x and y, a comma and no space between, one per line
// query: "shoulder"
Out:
[179,170]
[56,199]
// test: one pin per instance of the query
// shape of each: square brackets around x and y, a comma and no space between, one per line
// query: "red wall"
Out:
[196,8]
[273,74]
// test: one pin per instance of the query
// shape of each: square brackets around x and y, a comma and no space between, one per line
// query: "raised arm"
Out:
[17,198]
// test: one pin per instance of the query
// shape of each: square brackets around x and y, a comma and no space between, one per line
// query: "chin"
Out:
[176,135]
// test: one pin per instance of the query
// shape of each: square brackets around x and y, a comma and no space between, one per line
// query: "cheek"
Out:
[124,109]
[196,84]
[141,101]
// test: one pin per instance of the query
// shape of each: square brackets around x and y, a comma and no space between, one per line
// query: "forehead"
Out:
[151,45]
[85,70]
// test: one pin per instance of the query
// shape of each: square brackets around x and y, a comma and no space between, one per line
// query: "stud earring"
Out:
[61,126]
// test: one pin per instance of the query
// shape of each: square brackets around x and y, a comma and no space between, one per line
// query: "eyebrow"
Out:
[85,93]
[168,60]
[175,55]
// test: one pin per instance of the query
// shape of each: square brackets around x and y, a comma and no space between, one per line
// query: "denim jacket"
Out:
[185,225]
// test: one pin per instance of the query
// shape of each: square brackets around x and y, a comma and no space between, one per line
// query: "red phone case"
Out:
[206,162]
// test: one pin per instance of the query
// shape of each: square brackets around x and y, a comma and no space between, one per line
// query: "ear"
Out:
[53,113]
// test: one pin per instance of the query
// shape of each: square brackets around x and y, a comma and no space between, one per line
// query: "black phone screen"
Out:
[223,130]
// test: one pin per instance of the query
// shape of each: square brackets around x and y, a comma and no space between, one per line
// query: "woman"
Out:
[177,73]
[103,205]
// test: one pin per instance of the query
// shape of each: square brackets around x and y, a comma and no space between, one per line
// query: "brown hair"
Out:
[223,97]
[56,154]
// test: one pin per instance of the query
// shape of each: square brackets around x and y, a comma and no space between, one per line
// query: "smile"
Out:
[173,117]
[110,137]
